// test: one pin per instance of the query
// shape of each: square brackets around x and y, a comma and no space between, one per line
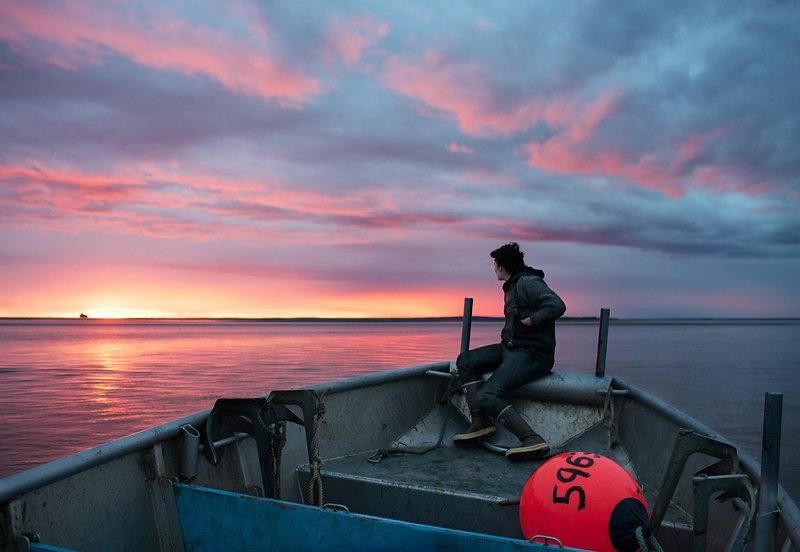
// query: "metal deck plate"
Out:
[457,470]
[464,487]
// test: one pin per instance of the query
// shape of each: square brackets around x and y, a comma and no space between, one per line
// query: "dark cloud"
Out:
[123,112]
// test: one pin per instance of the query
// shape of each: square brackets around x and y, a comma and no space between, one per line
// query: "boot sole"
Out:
[528,453]
[474,435]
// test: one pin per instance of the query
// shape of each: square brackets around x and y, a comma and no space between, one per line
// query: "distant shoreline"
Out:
[566,319]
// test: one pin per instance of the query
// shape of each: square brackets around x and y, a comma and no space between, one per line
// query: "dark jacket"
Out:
[527,295]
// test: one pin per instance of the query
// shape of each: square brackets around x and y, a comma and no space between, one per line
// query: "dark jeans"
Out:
[512,368]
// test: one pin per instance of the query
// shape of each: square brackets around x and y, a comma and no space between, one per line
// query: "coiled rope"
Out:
[643,545]
[278,434]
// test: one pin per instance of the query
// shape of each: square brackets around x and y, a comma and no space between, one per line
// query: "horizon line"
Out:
[395,318]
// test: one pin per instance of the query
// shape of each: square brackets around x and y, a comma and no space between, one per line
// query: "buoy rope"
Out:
[643,544]
[279,441]
[315,462]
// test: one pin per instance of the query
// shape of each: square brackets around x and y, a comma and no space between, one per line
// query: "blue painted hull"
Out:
[214,520]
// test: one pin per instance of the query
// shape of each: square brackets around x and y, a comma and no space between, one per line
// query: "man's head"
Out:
[508,260]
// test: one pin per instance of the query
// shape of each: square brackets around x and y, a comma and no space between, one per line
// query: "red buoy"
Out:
[584,500]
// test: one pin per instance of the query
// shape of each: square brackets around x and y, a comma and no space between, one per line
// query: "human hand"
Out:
[527,321]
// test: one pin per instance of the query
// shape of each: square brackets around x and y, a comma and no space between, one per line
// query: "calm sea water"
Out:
[69,385]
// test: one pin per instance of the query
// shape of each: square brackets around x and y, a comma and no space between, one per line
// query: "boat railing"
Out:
[40,476]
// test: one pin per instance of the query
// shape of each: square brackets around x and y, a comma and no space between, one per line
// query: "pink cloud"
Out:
[69,189]
[464,91]
[352,38]
[562,156]
[585,121]
[151,201]
[160,40]
[573,150]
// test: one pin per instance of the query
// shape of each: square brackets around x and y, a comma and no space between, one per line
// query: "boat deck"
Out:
[460,487]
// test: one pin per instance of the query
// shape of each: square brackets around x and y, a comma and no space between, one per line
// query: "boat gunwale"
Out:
[789,513]
[56,470]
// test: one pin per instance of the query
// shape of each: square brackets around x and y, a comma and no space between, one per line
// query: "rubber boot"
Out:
[533,446]
[481,425]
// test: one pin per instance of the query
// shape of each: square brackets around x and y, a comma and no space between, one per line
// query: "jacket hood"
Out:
[517,275]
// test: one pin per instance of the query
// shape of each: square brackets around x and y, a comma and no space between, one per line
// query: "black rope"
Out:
[382,453]
[315,462]
[278,438]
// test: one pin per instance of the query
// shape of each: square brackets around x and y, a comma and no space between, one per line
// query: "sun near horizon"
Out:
[220,304]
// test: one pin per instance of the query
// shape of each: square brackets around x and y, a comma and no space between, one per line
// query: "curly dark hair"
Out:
[509,257]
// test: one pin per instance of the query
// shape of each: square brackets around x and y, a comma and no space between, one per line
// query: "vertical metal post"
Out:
[602,343]
[189,451]
[767,517]
[466,325]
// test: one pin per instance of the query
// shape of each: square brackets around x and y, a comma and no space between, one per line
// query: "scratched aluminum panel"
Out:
[107,508]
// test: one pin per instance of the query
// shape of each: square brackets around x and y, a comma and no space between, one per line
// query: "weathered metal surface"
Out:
[602,343]
[165,513]
[686,444]
[569,388]
[266,418]
[671,416]
[767,523]
[190,449]
[216,520]
[425,432]
[457,488]
[59,469]
[704,488]
[454,487]
[466,325]
[107,508]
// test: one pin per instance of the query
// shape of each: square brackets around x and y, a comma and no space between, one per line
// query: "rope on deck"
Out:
[380,454]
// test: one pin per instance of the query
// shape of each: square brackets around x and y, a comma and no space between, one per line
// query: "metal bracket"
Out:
[687,443]
[546,540]
[732,485]
[262,418]
[162,498]
[308,401]
[154,465]
[11,537]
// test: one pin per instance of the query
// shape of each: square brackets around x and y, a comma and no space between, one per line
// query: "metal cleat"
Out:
[687,443]
[730,485]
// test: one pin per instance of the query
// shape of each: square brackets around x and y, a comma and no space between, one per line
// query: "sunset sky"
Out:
[309,158]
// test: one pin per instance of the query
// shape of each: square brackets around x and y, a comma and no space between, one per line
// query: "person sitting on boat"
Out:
[526,352]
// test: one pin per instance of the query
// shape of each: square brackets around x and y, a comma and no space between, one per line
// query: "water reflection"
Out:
[106,373]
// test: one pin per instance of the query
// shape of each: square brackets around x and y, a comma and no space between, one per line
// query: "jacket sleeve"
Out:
[538,301]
